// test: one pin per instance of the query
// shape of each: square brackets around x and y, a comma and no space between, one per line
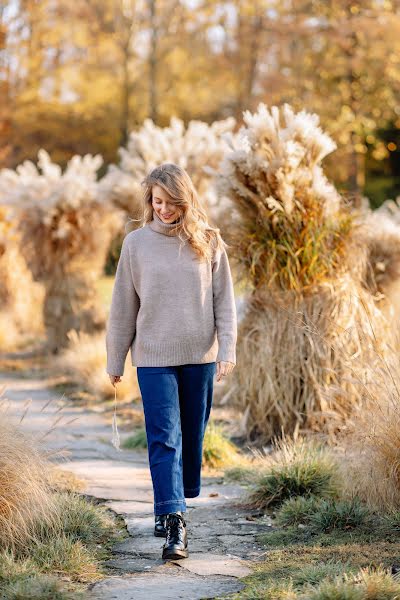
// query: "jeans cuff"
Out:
[192,492]
[169,506]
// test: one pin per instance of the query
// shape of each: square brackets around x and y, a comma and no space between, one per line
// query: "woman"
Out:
[173,305]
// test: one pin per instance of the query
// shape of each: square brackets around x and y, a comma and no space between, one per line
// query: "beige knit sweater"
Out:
[167,307]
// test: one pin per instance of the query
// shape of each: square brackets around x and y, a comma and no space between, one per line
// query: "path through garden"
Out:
[221,534]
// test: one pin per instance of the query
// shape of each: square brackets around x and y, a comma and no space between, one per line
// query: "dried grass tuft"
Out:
[65,231]
[297,466]
[25,491]
[305,359]
[83,361]
[371,440]
[306,335]
[20,297]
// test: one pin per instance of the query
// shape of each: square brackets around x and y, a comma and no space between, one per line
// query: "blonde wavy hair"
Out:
[192,225]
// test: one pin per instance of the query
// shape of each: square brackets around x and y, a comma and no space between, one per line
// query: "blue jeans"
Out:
[176,402]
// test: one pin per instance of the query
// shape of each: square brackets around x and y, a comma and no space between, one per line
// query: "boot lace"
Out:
[174,526]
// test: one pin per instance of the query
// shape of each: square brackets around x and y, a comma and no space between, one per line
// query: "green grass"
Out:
[72,550]
[392,522]
[322,546]
[66,556]
[343,514]
[310,562]
[40,588]
[301,478]
[296,566]
[367,584]
[82,520]
[137,441]
[218,450]
[297,510]
[323,515]
[244,474]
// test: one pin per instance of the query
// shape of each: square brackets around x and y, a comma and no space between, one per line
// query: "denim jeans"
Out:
[176,402]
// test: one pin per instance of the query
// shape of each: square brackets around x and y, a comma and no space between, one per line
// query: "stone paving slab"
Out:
[131,508]
[157,586]
[214,564]
[114,479]
[134,565]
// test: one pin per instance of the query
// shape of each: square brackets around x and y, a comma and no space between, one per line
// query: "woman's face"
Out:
[163,205]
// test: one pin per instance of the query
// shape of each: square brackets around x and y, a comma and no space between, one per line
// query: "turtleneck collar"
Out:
[166,228]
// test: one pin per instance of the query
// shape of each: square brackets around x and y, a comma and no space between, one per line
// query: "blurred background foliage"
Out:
[78,77]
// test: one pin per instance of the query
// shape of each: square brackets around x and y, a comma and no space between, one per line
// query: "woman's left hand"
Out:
[224,368]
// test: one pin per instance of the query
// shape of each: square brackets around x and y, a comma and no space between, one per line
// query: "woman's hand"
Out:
[115,379]
[224,368]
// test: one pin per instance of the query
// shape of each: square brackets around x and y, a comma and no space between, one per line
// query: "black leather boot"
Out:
[176,545]
[159,526]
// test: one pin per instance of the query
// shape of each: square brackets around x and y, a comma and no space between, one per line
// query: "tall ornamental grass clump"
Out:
[65,232]
[26,497]
[193,147]
[371,441]
[44,530]
[20,297]
[306,338]
[381,234]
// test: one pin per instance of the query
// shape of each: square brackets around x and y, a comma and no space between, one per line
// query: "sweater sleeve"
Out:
[224,307]
[121,323]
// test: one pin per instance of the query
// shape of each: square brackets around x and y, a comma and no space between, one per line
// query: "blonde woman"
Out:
[173,305]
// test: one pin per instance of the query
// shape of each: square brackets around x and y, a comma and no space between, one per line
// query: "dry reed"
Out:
[83,361]
[301,357]
[65,231]
[25,491]
[371,439]
[20,297]
[300,245]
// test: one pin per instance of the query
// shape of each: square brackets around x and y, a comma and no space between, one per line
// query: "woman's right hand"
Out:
[115,379]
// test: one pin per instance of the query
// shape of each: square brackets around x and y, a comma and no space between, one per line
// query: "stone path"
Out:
[221,539]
